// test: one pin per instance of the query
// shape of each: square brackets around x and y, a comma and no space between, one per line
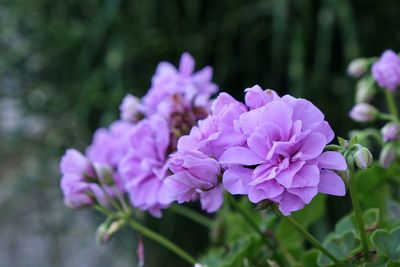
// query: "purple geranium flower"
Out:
[197,172]
[110,145]
[145,166]
[386,71]
[78,181]
[282,159]
[175,89]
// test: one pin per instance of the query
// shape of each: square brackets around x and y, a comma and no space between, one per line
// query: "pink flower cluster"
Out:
[175,144]
[269,148]
[132,154]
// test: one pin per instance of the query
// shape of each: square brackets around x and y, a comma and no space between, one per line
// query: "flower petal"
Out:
[240,155]
[332,160]
[331,184]
[236,178]
[212,200]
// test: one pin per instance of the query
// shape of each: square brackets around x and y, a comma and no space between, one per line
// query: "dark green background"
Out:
[65,66]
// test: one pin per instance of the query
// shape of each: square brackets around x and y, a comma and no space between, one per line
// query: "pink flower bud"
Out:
[358,67]
[390,131]
[363,158]
[363,112]
[129,108]
[388,155]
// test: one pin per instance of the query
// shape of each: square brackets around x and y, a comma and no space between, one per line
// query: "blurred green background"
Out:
[65,66]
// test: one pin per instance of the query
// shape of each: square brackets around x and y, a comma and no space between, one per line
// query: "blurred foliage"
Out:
[65,66]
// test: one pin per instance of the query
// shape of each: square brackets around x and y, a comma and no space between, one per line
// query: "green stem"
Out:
[358,214]
[192,215]
[391,104]
[255,227]
[299,228]
[160,240]
[386,117]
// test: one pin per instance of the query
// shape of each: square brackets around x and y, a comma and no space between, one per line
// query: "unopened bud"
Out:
[363,158]
[105,173]
[363,112]
[358,67]
[388,155]
[106,230]
[390,131]
[129,108]
[365,90]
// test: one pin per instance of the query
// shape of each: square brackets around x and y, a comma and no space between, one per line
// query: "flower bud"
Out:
[358,67]
[390,131]
[129,108]
[363,158]
[105,173]
[106,230]
[363,112]
[388,155]
[365,90]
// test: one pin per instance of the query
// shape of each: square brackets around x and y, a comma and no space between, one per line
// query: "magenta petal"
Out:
[212,200]
[332,160]
[331,183]
[235,179]
[240,155]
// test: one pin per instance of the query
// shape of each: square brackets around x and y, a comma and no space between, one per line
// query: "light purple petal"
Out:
[212,200]
[266,190]
[308,176]
[332,160]
[235,179]
[312,146]
[305,193]
[186,65]
[285,177]
[331,184]
[289,203]
[258,144]
[240,155]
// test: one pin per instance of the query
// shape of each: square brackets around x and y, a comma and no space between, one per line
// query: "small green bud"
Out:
[105,230]
[363,158]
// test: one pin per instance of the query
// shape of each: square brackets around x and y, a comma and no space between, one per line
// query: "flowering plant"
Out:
[267,162]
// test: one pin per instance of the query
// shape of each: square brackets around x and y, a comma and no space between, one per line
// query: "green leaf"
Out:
[379,262]
[235,255]
[344,225]
[371,218]
[309,258]
[342,141]
[387,243]
[342,247]
[353,140]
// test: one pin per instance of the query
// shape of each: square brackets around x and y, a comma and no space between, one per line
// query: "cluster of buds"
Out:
[378,74]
